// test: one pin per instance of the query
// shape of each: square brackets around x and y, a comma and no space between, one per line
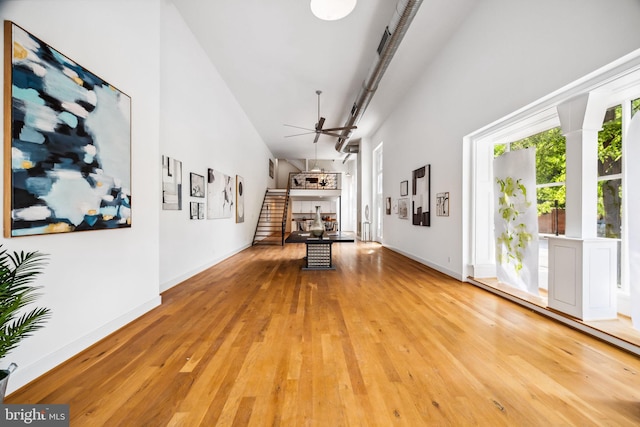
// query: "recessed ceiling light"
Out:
[332,10]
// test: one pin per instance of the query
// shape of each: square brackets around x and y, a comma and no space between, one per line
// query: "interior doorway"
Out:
[378,202]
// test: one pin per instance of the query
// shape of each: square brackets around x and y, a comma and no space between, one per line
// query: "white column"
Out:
[483,255]
[581,120]
[582,267]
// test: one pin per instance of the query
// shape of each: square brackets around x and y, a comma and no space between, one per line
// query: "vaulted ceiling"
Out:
[275,54]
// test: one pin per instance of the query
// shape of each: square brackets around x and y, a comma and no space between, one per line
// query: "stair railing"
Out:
[286,209]
[255,233]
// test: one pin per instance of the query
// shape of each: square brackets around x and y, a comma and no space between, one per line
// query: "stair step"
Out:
[269,230]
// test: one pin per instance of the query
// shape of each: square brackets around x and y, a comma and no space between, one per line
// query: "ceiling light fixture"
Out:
[315,167]
[332,10]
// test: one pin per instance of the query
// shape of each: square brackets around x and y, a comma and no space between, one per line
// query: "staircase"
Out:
[273,218]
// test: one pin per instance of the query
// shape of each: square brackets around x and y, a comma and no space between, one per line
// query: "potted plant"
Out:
[17,272]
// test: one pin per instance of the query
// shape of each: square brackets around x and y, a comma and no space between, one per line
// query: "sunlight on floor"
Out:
[620,328]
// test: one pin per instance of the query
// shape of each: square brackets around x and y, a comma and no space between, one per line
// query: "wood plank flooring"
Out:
[380,341]
[621,328]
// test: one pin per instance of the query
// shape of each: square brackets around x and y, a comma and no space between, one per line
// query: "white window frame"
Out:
[619,80]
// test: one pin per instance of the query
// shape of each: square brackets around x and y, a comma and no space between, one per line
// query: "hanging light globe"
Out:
[332,10]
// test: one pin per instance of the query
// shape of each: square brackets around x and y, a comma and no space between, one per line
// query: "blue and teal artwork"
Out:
[70,144]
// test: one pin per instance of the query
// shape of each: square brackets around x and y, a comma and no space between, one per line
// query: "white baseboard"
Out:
[624,304]
[187,275]
[25,374]
[429,264]
[569,321]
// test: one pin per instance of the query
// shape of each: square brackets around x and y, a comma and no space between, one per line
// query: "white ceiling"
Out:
[274,55]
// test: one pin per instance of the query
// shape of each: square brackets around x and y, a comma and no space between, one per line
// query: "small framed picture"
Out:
[442,204]
[404,188]
[197,185]
[388,206]
[193,210]
[271,168]
[403,208]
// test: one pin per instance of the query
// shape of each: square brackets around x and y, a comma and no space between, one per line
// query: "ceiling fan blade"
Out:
[300,134]
[319,130]
[324,132]
[298,127]
[342,128]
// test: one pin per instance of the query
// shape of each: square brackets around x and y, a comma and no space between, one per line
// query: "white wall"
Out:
[180,108]
[203,126]
[282,173]
[506,55]
[97,281]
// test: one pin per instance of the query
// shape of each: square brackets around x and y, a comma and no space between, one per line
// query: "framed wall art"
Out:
[67,148]
[442,204]
[196,210]
[197,185]
[271,168]
[421,196]
[388,206]
[171,184]
[239,199]
[220,195]
[403,208]
[404,188]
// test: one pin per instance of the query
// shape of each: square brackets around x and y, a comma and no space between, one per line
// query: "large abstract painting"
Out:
[171,184]
[516,219]
[67,143]
[421,196]
[220,195]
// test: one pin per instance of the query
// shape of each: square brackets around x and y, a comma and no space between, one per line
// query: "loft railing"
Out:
[314,181]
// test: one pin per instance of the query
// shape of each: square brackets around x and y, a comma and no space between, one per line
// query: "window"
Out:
[635,106]
[611,194]
[610,174]
[550,176]
[610,177]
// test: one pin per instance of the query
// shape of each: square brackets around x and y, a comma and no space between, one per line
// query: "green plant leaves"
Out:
[515,238]
[17,273]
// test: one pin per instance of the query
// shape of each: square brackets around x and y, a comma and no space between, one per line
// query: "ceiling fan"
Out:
[319,130]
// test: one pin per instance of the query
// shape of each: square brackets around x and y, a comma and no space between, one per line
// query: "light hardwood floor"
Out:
[380,341]
[619,331]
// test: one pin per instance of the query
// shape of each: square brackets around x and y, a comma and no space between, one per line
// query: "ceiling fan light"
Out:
[332,10]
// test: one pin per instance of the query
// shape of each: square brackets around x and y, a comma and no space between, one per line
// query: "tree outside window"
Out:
[551,173]
[635,106]
[610,174]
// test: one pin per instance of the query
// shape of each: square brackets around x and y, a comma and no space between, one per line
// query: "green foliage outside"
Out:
[550,166]
[635,106]
[610,163]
